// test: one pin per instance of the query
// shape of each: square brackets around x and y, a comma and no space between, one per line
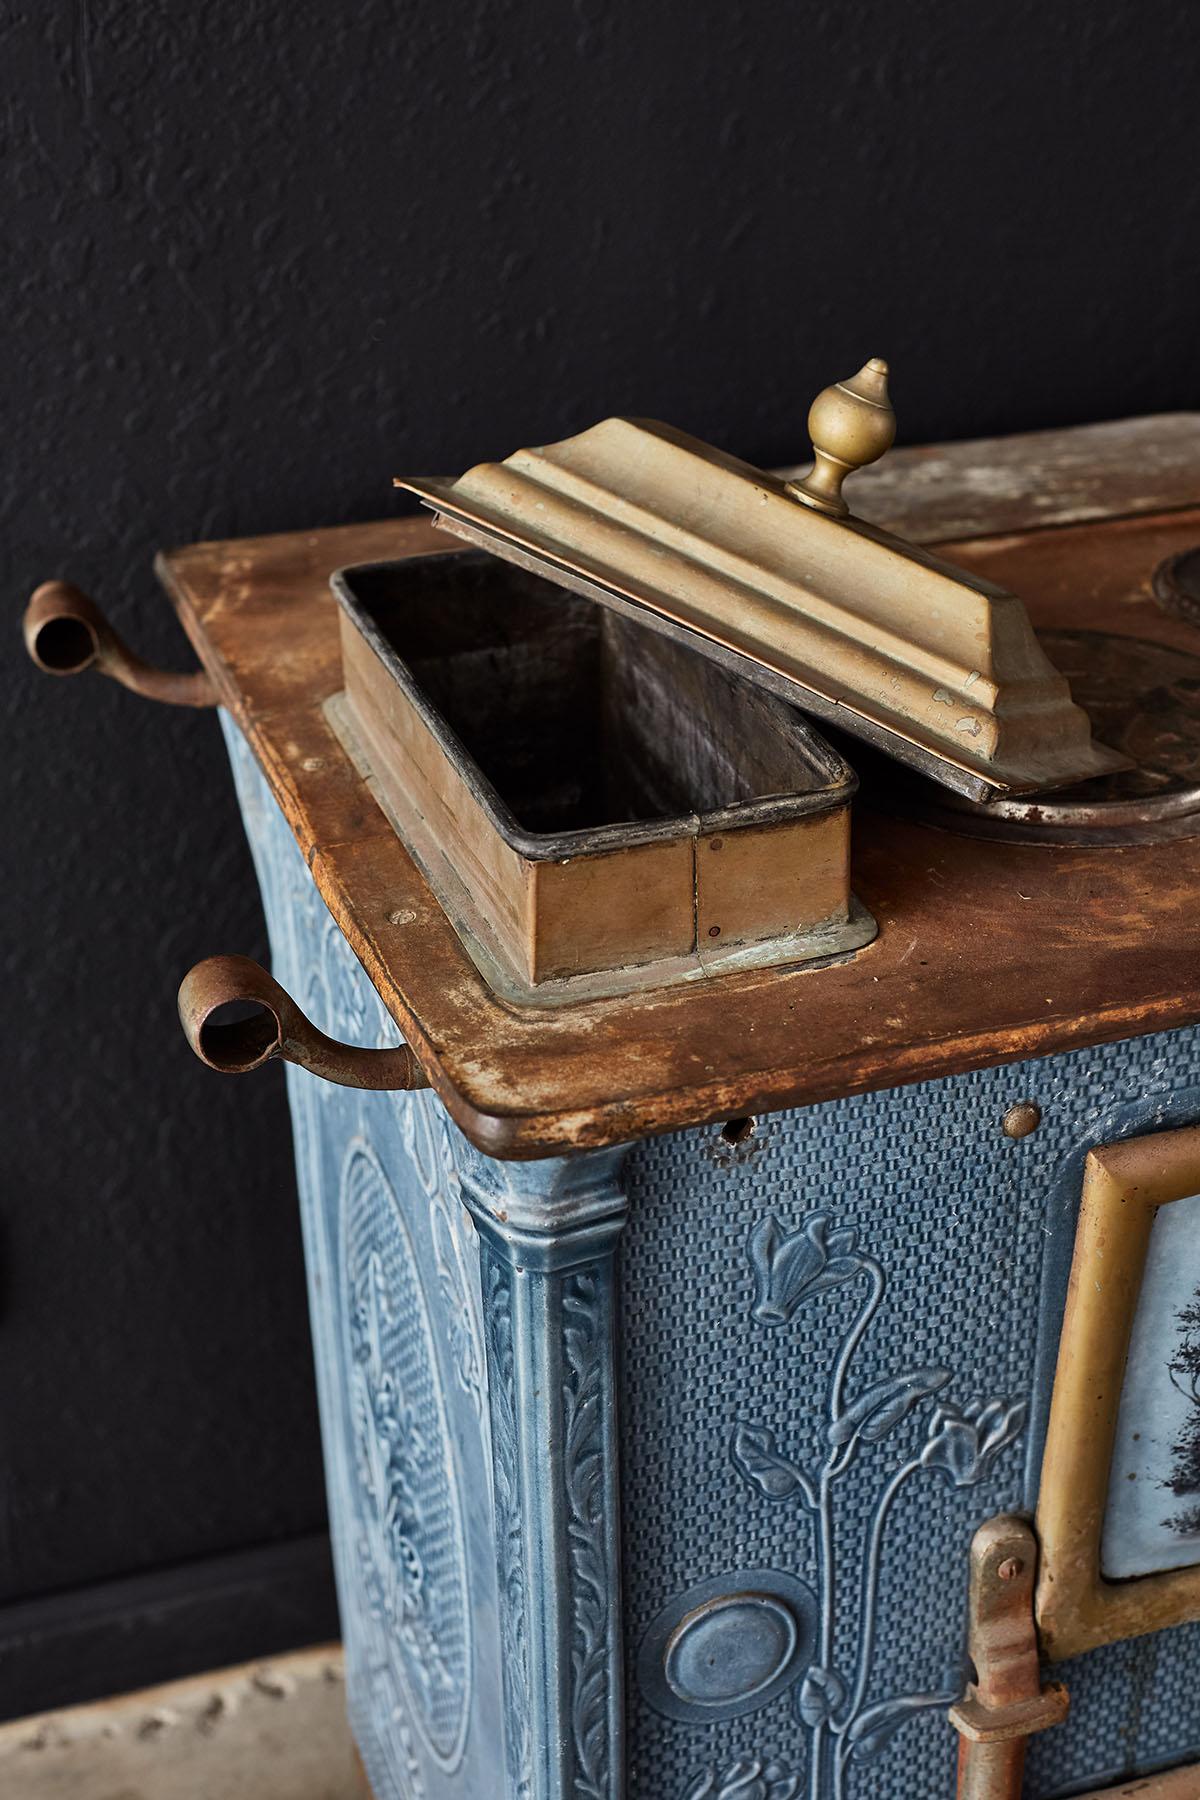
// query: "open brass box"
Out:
[590,801]
[626,794]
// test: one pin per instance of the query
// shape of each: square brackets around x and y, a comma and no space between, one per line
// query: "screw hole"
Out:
[737,1131]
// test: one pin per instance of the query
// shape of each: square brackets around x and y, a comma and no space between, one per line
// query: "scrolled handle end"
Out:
[277,1028]
[239,1046]
[66,633]
[64,630]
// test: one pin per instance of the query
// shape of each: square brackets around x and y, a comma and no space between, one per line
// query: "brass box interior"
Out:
[586,795]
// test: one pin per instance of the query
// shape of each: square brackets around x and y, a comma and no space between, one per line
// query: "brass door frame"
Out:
[1077,1609]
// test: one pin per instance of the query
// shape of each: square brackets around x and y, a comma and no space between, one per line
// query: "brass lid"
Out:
[938,667]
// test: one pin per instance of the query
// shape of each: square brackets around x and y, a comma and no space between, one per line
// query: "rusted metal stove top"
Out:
[1077,523]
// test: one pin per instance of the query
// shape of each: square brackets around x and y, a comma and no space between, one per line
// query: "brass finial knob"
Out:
[850,424]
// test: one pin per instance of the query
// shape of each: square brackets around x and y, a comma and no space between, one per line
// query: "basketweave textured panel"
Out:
[832,1370]
[393,1270]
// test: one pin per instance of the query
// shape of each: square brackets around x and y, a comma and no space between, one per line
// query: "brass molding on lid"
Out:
[938,667]
[851,424]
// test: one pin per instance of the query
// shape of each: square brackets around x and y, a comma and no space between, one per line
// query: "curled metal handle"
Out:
[278,1028]
[66,633]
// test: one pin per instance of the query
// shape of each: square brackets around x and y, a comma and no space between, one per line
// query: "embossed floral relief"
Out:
[410,1626]
[390,1449]
[587,1527]
[749,1778]
[576,1505]
[455,1246]
[510,1549]
[846,1721]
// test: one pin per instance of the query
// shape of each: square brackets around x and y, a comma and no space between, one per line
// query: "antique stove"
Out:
[757,1306]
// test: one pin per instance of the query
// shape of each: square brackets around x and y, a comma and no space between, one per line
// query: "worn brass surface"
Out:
[731,852]
[1143,700]
[1077,1609]
[938,667]
[850,424]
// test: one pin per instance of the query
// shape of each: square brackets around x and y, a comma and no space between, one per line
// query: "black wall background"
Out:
[258,255]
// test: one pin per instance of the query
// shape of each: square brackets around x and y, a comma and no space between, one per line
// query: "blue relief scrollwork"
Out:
[390,1447]
[456,1256]
[510,1545]
[587,1529]
[845,1724]
[548,1234]
[450,1258]
[790,1270]
[572,1509]
[407,1531]
[749,1778]
[428,1146]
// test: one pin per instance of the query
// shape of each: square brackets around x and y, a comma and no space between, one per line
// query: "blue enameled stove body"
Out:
[652,1473]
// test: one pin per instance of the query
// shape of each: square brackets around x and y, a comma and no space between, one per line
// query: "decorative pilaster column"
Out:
[549,1232]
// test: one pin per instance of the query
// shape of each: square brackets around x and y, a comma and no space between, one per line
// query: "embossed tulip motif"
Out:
[964,1441]
[846,1724]
[791,1267]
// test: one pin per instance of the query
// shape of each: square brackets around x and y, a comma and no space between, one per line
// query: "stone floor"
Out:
[267,1731]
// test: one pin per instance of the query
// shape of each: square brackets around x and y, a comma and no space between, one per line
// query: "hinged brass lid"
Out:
[938,667]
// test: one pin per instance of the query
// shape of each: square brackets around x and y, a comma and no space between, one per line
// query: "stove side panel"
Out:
[394,1294]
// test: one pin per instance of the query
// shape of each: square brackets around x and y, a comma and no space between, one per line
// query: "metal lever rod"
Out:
[66,633]
[1006,1703]
[278,1028]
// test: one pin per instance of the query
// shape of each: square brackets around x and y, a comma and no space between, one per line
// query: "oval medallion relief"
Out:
[728,1646]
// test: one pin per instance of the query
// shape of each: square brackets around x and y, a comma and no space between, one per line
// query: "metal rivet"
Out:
[1010,1568]
[715,843]
[714,931]
[1022,1118]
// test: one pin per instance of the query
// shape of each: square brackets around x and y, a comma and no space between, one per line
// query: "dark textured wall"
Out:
[256,256]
